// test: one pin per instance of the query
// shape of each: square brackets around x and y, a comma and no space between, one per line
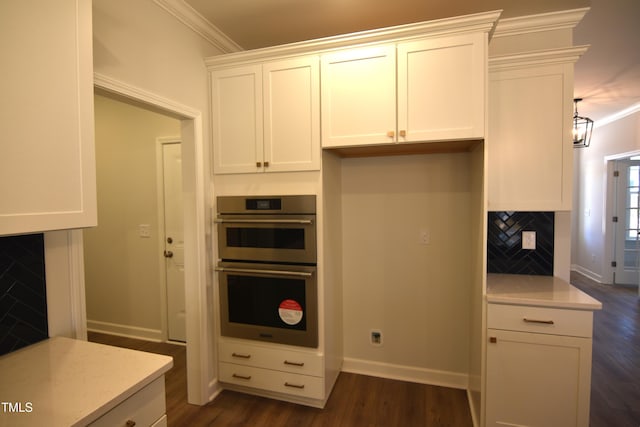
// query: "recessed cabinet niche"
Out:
[266,116]
[415,91]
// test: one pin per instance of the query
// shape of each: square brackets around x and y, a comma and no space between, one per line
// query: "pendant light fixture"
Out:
[582,128]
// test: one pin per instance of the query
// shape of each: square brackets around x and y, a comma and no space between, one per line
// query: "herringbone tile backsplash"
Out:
[23,296]
[504,243]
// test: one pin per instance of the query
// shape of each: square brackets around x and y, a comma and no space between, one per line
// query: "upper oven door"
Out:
[267,238]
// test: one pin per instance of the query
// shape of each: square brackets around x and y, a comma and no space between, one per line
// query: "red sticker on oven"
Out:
[290,312]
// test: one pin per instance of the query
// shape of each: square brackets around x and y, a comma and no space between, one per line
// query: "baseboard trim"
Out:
[125,330]
[406,373]
[587,273]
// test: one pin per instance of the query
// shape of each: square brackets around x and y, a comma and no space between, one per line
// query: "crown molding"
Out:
[540,57]
[565,19]
[479,22]
[199,24]
[635,108]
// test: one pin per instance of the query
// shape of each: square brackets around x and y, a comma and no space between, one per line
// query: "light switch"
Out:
[144,230]
[529,240]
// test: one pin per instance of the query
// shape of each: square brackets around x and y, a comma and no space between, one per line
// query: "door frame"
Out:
[609,209]
[201,360]
[164,301]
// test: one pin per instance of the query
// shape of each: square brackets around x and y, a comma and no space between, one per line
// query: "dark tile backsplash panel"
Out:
[23,296]
[504,243]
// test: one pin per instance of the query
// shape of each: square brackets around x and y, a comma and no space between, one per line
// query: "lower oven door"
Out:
[266,302]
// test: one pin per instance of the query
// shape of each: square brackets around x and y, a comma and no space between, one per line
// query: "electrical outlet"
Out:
[424,237]
[376,338]
[529,240]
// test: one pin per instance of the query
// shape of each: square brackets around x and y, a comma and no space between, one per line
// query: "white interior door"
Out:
[174,241]
[627,222]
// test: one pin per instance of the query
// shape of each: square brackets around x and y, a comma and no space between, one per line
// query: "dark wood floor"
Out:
[356,400]
[615,380]
[359,400]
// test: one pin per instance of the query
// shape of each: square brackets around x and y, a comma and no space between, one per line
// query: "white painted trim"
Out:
[76,284]
[479,22]
[184,13]
[540,57]
[64,270]
[565,19]
[200,355]
[406,373]
[164,320]
[617,116]
[473,409]
[586,272]
[125,330]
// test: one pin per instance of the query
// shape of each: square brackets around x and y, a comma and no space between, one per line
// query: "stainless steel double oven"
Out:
[267,270]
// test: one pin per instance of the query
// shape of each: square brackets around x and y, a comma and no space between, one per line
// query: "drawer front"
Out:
[266,379]
[144,408]
[553,321]
[271,358]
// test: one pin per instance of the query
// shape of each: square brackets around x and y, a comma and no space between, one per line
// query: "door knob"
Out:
[168,254]
[169,240]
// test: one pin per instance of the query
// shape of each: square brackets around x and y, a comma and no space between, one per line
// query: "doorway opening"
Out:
[200,356]
[625,218]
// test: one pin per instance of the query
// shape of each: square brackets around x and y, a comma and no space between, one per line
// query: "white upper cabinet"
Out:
[441,88]
[292,114]
[237,119]
[530,151]
[359,96]
[47,160]
[416,91]
[266,116]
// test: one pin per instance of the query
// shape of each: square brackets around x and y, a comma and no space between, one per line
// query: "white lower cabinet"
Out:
[272,369]
[145,408]
[538,366]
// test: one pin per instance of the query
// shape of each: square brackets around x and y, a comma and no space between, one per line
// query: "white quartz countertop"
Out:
[543,291]
[67,382]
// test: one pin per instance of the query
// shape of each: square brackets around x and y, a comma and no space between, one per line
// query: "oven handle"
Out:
[263,221]
[269,272]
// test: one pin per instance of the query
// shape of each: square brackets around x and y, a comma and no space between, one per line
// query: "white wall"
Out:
[590,242]
[143,47]
[122,269]
[417,295]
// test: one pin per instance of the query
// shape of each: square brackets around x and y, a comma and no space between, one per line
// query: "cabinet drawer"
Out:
[271,358]
[145,408]
[554,321]
[266,379]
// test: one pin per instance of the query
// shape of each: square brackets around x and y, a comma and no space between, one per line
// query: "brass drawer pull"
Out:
[242,377]
[545,322]
[287,362]
[298,386]
[241,355]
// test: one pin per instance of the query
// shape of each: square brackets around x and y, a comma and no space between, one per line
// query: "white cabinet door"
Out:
[237,119]
[359,97]
[292,114]
[537,380]
[530,153]
[47,160]
[441,88]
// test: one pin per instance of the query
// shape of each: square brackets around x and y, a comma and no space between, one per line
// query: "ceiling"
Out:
[607,76]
